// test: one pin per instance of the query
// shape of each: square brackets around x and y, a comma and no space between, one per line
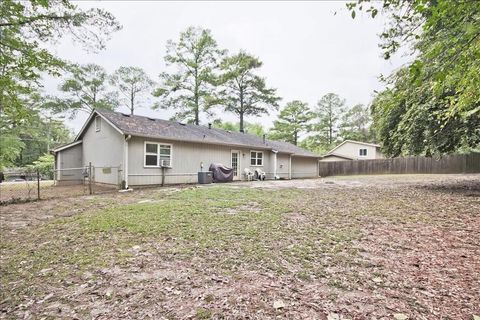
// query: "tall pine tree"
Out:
[190,87]
[294,119]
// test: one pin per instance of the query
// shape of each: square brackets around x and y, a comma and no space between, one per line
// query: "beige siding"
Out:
[186,160]
[351,150]
[104,149]
[69,162]
[283,162]
[303,167]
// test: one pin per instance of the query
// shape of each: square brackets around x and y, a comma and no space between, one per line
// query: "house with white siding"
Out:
[149,151]
[353,150]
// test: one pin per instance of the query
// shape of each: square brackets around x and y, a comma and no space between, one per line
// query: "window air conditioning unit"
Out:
[165,163]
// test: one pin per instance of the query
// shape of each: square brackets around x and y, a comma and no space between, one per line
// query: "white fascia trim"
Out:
[67,146]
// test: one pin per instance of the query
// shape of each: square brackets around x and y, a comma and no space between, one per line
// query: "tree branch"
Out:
[34,19]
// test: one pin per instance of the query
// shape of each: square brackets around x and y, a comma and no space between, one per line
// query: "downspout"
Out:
[125,161]
[59,166]
[274,164]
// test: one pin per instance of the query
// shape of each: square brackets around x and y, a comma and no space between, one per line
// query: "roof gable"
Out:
[90,118]
[338,156]
[354,142]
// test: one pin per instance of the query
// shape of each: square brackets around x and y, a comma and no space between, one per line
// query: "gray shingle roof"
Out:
[163,129]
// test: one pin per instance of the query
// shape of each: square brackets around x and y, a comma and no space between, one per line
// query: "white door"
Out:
[235,165]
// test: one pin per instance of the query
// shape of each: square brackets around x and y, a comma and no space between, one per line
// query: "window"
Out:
[158,154]
[362,152]
[256,158]
[98,123]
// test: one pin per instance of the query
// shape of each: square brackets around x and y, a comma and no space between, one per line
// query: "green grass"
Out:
[321,237]
[202,219]
[237,226]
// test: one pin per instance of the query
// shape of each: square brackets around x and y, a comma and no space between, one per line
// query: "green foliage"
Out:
[243,92]
[86,88]
[131,83]
[410,120]
[356,124]
[25,26]
[433,106]
[327,115]
[315,144]
[44,165]
[23,141]
[253,128]
[190,89]
[41,135]
[10,147]
[294,119]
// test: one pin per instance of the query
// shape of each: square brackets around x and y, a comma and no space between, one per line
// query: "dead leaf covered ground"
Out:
[343,248]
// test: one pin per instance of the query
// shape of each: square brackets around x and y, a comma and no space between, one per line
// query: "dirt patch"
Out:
[408,246]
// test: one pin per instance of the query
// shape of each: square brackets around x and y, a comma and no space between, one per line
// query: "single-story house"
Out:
[145,150]
[353,150]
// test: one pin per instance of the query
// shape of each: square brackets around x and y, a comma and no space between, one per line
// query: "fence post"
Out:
[90,174]
[38,184]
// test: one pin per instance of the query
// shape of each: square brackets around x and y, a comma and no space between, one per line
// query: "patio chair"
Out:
[248,174]
[260,174]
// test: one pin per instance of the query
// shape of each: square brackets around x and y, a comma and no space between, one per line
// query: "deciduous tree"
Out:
[433,105]
[25,28]
[253,128]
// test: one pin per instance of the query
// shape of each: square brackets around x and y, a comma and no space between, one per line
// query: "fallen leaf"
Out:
[400,316]
[278,304]
[333,316]
[377,280]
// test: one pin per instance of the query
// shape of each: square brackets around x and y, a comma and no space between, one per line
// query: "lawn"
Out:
[344,249]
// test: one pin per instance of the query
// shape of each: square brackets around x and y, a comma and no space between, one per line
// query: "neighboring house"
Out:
[145,150]
[353,150]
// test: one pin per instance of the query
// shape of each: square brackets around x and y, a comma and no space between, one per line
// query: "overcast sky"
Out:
[308,48]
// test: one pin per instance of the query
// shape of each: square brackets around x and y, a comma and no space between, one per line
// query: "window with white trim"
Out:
[157,154]
[256,158]
[362,152]
[98,123]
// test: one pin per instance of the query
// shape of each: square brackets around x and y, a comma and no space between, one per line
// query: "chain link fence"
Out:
[24,185]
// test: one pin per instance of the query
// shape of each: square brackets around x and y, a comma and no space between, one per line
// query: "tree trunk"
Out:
[197,121]
[241,121]
[241,110]
[132,102]
[197,107]
[295,137]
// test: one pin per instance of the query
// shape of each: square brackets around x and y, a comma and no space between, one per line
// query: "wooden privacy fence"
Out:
[458,163]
